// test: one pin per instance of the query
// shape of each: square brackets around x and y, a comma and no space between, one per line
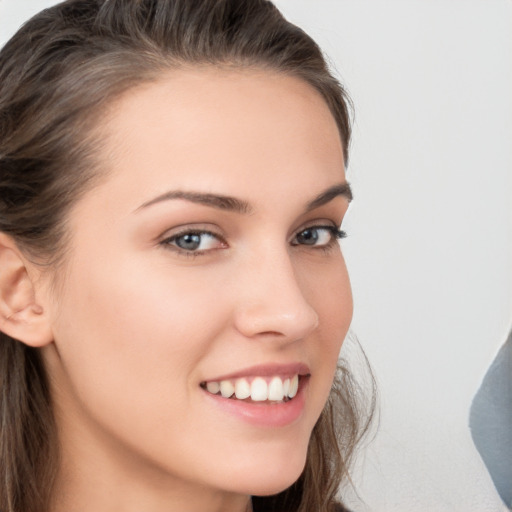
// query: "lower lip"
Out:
[264,414]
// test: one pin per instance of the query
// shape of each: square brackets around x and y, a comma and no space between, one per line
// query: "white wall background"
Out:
[430,232]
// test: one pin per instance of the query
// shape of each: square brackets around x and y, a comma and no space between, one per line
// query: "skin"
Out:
[139,324]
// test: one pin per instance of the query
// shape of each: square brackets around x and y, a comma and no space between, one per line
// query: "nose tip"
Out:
[290,325]
[276,306]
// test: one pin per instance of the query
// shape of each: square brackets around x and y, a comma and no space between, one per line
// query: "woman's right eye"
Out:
[194,242]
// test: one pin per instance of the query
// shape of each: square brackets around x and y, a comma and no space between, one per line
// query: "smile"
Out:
[257,389]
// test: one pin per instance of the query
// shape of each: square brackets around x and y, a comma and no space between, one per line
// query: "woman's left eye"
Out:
[318,236]
[194,241]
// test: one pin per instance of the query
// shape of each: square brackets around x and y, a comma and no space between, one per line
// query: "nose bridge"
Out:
[273,300]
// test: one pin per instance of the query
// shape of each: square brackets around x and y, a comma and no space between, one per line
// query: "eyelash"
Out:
[335,235]
[169,242]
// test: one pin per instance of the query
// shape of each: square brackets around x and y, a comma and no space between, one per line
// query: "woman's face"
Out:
[205,259]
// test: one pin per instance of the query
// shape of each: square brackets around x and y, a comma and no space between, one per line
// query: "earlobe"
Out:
[21,316]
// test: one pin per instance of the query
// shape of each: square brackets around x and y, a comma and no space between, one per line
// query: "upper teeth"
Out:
[259,390]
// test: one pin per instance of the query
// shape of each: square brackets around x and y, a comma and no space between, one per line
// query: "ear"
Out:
[21,316]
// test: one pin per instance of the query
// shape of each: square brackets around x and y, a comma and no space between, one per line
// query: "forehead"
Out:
[222,128]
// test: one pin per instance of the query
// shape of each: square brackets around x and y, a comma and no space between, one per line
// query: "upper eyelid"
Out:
[198,228]
[179,235]
[191,232]
[321,223]
[332,228]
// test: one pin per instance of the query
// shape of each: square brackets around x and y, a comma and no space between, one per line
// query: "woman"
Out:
[173,295]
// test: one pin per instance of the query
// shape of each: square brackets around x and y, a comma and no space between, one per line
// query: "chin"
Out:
[275,487]
[273,475]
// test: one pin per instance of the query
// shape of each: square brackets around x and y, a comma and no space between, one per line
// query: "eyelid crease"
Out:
[192,228]
[174,236]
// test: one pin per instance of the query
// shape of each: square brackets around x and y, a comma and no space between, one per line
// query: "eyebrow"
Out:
[233,204]
[342,189]
[214,200]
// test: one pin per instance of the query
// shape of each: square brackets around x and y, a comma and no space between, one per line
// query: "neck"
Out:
[84,495]
[102,478]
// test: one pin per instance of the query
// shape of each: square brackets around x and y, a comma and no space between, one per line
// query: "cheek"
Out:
[130,337]
[329,292]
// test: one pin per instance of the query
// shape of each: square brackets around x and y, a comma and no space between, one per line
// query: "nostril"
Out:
[272,323]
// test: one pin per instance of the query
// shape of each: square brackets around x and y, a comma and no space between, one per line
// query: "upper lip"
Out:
[265,370]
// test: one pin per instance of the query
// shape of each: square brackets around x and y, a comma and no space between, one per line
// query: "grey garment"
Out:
[490,421]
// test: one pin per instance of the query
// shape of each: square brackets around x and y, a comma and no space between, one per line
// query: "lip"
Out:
[262,414]
[266,370]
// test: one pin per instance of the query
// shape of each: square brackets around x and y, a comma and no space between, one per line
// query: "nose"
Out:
[271,302]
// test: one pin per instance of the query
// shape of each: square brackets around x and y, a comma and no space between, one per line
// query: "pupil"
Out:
[308,237]
[189,242]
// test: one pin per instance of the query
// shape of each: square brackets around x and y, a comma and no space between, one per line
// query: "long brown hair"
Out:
[57,75]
